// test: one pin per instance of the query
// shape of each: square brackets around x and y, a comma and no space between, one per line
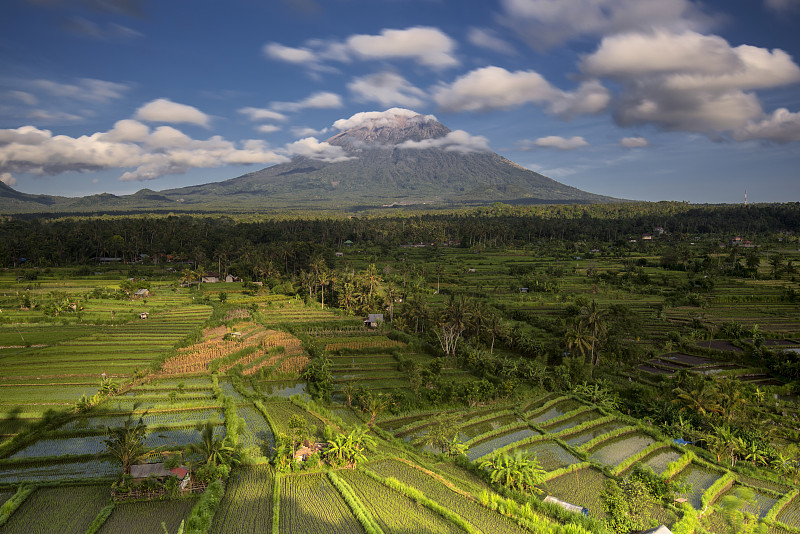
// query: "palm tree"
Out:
[374,404]
[214,450]
[776,262]
[372,278]
[701,399]
[496,327]
[594,319]
[732,401]
[126,444]
[349,391]
[391,297]
[578,339]
[325,279]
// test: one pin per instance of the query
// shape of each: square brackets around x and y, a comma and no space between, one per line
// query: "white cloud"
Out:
[53,116]
[268,128]
[128,145]
[6,178]
[312,148]
[305,131]
[590,97]
[388,89]
[127,130]
[455,141]
[782,126]
[86,89]
[166,137]
[289,54]
[261,114]
[389,117]
[634,142]
[488,39]
[491,88]
[547,23]
[633,54]
[425,45]
[561,143]
[320,100]
[687,81]
[782,6]
[164,110]
[24,135]
[24,97]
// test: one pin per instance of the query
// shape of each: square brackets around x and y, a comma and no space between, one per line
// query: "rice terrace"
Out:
[492,370]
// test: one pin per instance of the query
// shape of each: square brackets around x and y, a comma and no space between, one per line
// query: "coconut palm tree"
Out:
[215,450]
[126,444]
[578,339]
[325,278]
[701,398]
[374,404]
[594,320]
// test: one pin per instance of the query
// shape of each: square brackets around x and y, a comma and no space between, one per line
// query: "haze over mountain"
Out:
[395,157]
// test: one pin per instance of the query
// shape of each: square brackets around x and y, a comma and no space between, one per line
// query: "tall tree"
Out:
[126,444]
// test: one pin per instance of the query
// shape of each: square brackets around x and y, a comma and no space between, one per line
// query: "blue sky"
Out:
[644,99]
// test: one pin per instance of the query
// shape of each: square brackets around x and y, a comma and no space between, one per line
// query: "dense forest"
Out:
[287,244]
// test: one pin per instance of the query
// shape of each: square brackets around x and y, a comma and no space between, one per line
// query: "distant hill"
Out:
[391,158]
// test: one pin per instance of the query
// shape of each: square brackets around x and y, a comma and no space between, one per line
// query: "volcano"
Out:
[390,158]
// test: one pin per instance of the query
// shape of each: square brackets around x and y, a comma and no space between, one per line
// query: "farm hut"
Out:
[143,315]
[567,506]
[210,278]
[230,279]
[141,472]
[658,530]
[340,254]
[373,319]
[303,453]
[142,293]
[523,290]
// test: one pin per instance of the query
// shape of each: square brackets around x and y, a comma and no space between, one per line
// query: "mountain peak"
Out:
[390,127]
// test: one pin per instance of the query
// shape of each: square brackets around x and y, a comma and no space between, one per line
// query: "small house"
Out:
[303,453]
[340,254]
[142,293]
[210,278]
[659,230]
[658,530]
[143,315]
[523,290]
[647,237]
[373,319]
[230,279]
[141,472]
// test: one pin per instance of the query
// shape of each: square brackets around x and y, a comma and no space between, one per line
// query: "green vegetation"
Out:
[523,352]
